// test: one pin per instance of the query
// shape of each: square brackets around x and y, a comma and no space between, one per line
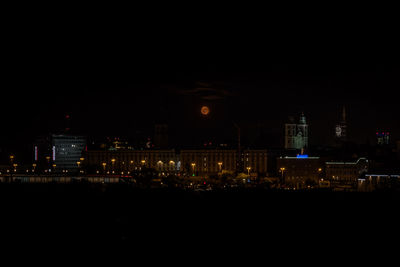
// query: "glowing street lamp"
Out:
[104,166]
[15,167]
[220,166]
[113,164]
[248,170]
[193,167]
[282,171]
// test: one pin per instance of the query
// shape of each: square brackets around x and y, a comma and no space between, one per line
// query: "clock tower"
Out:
[341,127]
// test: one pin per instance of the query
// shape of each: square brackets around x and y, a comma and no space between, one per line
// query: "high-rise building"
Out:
[341,127]
[296,134]
[58,152]
[67,151]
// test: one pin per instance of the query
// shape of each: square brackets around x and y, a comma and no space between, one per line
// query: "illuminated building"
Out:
[296,135]
[132,160]
[341,127]
[211,162]
[299,172]
[255,161]
[372,182]
[67,151]
[58,152]
[346,172]
[382,138]
[205,162]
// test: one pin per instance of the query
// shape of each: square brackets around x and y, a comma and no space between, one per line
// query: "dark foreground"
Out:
[113,215]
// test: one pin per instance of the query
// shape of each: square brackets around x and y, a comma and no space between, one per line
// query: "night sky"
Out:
[112,86]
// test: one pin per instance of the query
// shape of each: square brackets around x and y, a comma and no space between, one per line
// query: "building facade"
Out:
[346,172]
[125,161]
[208,162]
[299,172]
[58,152]
[67,152]
[296,134]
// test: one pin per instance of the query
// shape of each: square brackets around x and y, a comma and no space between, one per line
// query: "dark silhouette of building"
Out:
[161,136]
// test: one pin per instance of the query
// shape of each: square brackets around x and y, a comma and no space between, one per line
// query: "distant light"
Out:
[302,156]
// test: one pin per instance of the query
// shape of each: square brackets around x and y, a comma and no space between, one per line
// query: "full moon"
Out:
[205,110]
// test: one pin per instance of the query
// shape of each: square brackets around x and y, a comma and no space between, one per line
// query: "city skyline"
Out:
[246,99]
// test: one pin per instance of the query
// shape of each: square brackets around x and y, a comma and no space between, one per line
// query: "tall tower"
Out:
[296,135]
[341,127]
[302,133]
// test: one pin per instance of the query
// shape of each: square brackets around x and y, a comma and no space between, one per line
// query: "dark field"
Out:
[117,214]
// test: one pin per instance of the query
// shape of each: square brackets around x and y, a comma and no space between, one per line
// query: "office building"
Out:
[341,172]
[300,171]
[58,152]
[126,161]
[67,152]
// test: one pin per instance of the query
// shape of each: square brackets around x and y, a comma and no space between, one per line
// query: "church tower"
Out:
[341,127]
[296,135]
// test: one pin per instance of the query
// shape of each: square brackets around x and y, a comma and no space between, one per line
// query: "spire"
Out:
[302,118]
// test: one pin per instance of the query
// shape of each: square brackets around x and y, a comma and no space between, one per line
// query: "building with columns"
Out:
[296,134]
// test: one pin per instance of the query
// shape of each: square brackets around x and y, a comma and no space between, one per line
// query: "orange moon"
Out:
[205,110]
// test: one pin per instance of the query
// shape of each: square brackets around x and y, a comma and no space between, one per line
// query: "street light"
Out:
[282,171]
[248,170]
[15,167]
[113,164]
[220,166]
[104,166]
[193,167]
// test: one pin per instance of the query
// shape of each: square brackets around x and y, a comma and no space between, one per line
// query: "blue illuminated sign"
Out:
[302,156]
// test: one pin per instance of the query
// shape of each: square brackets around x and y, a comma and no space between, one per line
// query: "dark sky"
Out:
[116,86]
